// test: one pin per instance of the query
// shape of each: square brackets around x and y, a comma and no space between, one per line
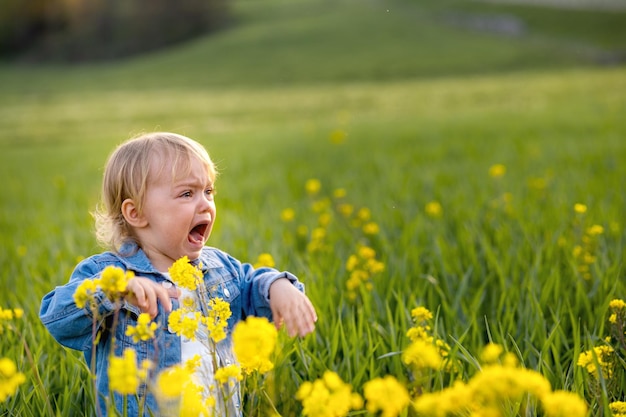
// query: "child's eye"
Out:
[208,191]
[186,194]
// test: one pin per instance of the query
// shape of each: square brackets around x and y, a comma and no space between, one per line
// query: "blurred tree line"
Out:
[81,30]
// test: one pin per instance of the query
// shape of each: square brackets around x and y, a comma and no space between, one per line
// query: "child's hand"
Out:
[145,294]
[291,307]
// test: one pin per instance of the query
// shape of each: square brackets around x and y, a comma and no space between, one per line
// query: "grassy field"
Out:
[398,108]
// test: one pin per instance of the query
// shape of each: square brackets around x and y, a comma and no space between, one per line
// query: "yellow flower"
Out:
[580,208]
[595,230]
[85,293]
[179,396]
[352,263]
[113,281]
[324,219]
[10,378]
[496,383]
[184,274]
[497,171]
[491,353]
[192,402]
[171,382]
[144,330]
[365,252]
[339,193]
[564,404]
[328,396]
[265,259]
[313,186]
[124,376]
[454,400]
[345,209]
[364,214]
[224,374]
[217,319]
[183,323]
[287,215]
[422,355]
[433,209]
[618,408]
[617,305]
[371,228]
[193,363]
[254,341]
[421,314]
[598,356]
[387,395]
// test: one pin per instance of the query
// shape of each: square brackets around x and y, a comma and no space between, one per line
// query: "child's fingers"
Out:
[146,294]
[301,320]
[164,296]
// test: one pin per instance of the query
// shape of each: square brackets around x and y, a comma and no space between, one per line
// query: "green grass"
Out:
[265,102]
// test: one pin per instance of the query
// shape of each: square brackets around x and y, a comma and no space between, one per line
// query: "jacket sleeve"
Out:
[255,286]
[70,326]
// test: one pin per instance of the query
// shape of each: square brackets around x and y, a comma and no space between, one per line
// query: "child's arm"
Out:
[74,327]
[71,326]
[291,307]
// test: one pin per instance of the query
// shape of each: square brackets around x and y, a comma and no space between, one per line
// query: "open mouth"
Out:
[196,235]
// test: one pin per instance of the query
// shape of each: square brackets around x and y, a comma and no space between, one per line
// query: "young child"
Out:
[158,206]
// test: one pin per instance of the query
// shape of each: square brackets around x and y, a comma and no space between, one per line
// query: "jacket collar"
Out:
[134,258]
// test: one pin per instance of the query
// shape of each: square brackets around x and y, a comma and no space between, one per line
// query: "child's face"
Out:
[179,212]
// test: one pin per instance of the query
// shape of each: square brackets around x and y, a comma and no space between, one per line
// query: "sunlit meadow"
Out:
[454,234]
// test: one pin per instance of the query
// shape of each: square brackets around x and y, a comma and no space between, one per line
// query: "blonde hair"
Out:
[126,176]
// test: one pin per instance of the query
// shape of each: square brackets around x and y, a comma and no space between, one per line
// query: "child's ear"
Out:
[132,215]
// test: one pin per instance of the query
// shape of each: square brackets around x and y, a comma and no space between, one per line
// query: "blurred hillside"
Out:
[87,30]
[280,42]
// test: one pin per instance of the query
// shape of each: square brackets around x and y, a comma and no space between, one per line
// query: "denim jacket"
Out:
[240,284]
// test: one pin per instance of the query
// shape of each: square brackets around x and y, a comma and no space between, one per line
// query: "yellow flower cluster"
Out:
[497,171]
[124,375]
[362,266]
[599,359]
[7,314]
[185,323]
[179,396]
[580,208]
[113,282]
[253,343]
[228,373]
[495,386]
[144,330]
[312,186]
[314,238]
[265,259]
[434,209]
[422,355]
[425,351]
[386,395]
[584,252]
[10,378]
[184,274]
[288,215]
[618,408]
[328,396]
[217,319]
[617,321]
[563,404]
